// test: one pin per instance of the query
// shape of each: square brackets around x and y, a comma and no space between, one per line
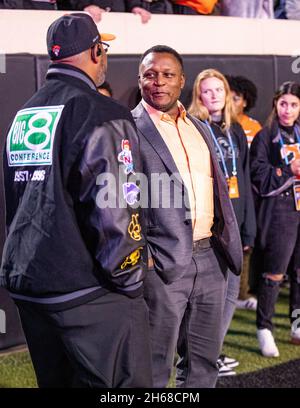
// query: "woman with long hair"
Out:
[275,172]
[212,103]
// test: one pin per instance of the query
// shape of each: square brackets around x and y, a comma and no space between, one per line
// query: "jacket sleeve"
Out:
[109,163]
[265,176]
[248,229]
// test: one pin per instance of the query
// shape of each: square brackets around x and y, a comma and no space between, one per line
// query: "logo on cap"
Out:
[56,49]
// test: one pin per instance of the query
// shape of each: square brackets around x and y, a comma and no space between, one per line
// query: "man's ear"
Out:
[182,81]
[139,82]
[95,53]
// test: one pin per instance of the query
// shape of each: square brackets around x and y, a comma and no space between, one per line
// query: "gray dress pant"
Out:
[187,315]
[232,292]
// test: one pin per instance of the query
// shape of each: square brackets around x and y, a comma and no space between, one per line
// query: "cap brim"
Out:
[107,37]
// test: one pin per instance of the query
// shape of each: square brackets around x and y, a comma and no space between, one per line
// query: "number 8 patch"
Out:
[31,136]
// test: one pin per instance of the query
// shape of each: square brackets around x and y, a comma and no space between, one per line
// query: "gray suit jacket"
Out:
[169,230]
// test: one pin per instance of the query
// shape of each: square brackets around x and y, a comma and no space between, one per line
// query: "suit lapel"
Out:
[149,131]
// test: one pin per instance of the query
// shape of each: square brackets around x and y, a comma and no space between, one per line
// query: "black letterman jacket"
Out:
[62,244]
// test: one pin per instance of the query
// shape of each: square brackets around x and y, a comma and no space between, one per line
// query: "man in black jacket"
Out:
[72,258]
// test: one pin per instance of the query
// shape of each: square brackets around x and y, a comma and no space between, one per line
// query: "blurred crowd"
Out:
[282,9]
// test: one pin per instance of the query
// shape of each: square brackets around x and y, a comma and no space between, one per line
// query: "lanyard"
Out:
[234,172]
[296,130]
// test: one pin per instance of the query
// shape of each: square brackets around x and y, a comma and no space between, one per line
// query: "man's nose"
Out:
[159,80]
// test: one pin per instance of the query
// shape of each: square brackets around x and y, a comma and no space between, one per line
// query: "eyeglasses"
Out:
[104,45]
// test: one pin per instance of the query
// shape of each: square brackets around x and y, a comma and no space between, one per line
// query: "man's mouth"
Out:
[158,94]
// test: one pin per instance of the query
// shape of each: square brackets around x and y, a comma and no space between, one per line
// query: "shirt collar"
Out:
[157,115]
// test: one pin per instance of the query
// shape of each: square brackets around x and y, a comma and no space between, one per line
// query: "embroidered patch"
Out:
[31,136]
[134,228]
[56,50]
[125,157]
[130,193]
[132,259]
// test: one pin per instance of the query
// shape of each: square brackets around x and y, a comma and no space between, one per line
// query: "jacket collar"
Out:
[69,70]
[146,126]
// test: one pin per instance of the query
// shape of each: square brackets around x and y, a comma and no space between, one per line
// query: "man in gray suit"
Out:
[191,230]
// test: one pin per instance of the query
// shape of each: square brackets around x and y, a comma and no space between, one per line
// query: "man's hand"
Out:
[95,12]
[145,15]
[295,167]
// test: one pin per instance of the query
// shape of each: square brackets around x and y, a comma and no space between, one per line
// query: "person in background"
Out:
[193,7]
[287,9]
[192,234]
[96,7]
[275,174]
[247,8]
[244,94]
[292,8]
[152,6]
[212,103]
[105,89]
[71,260]
[279,9]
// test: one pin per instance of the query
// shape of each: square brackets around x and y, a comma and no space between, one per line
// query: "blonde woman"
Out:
[212,103]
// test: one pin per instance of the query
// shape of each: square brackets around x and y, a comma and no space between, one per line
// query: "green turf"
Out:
[16,369]
[241,342]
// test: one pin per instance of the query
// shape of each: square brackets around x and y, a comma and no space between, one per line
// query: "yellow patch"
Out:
[134,228]
[132,259]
